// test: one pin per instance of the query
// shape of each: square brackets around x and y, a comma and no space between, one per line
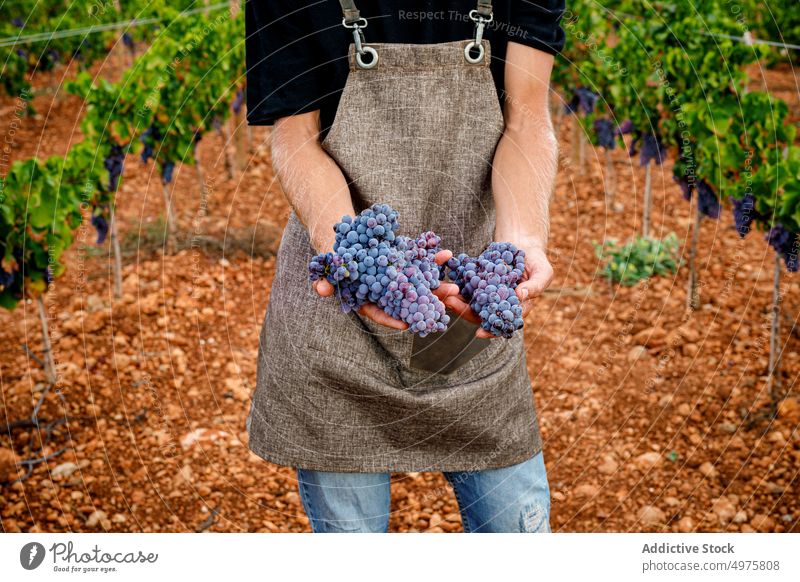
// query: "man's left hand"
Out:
[537,277]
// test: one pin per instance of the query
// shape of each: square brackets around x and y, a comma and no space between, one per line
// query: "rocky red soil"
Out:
[652,416]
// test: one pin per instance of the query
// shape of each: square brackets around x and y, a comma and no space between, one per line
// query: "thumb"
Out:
[323,288]
[534,286]
[443,256]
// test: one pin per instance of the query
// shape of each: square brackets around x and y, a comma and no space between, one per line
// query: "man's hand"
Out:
[523,173]
[537,277]
[378,315]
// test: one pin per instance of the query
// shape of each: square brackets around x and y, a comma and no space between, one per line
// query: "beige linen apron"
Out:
[416,128]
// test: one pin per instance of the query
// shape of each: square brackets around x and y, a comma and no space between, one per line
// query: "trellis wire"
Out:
[43,36]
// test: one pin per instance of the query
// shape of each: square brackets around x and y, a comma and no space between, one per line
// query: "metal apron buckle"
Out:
[358,39]
[480,22]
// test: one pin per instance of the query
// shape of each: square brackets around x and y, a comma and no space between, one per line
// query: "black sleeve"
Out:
[283,75]
[537,23]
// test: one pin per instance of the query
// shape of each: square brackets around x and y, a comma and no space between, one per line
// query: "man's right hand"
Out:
[378,315]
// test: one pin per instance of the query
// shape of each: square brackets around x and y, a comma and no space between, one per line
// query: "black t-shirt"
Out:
[297,49]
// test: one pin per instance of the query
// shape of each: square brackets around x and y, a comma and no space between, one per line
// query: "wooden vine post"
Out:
[610,179]
[692,293]
[172,227]
[578,145]
[49,365]
[648,199]
[117,265]
[775,349]
[230,162]
[240,136]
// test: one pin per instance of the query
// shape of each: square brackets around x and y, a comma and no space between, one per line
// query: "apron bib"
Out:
[416,128]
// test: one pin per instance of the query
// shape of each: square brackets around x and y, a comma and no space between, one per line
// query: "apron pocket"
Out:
[357,341]
[443,353]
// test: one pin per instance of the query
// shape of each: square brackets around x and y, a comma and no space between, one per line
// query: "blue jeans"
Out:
[509,499]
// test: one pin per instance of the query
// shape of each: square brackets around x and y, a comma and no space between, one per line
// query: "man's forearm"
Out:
[523,178]
[312,182]
[526,159]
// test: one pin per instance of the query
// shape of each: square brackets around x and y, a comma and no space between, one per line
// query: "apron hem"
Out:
[419,465]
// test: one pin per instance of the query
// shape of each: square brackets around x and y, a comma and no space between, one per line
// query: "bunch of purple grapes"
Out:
[583,99]
[238,102]
[150,138]
[787,244]
[167,168]
[707,200]
[100,224]
[606,138]
[744,213]
[114,163]
[653,149]
[370,263]
[487,282]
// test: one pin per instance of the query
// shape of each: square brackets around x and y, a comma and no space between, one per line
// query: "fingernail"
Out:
[524,293]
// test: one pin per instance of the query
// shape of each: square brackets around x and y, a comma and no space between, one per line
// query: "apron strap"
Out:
[484,8]
[351,13]
[482,15]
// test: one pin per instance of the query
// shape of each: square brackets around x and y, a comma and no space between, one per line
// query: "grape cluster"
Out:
[653,149]
[149,138]
[787,244]
[238,102]
[707,200]
[370,263]
[686,186]
[114,163]
[487,282]
[167,168]
[583,99]
[744,213]
[6,278]
[100,224]
[625,127]
[606,138]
